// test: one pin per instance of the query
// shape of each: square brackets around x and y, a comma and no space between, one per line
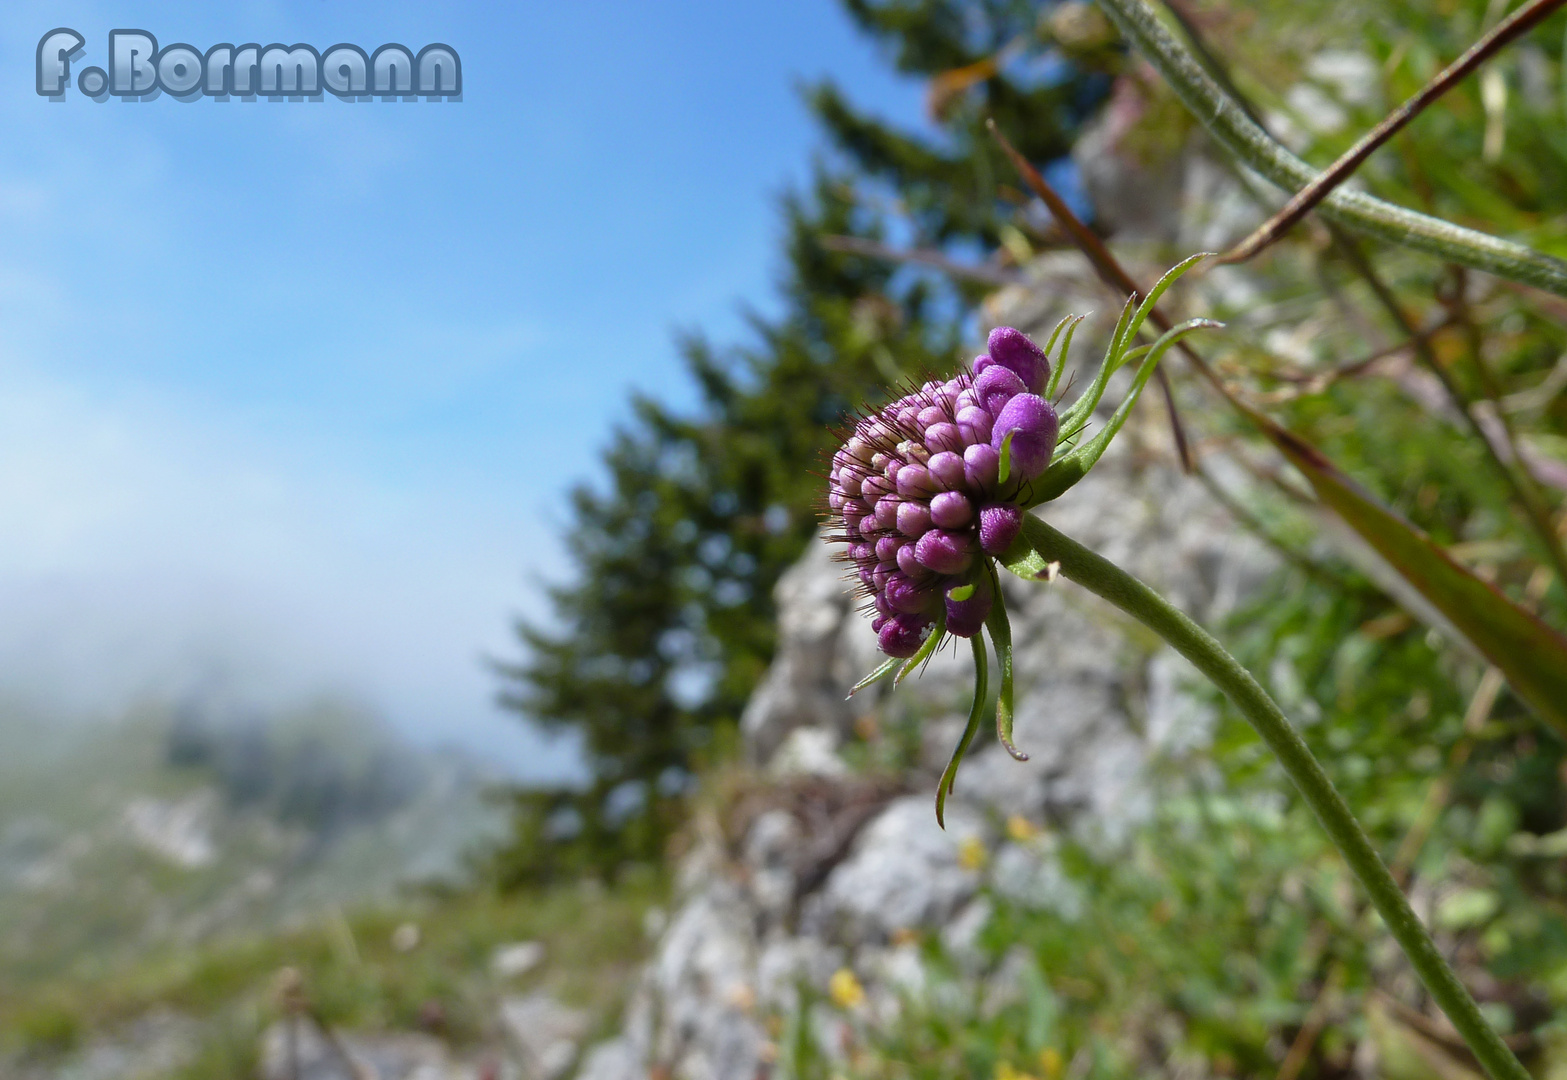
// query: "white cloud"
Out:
[143,547]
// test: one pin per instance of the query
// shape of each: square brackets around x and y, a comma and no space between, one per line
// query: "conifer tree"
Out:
[667,622]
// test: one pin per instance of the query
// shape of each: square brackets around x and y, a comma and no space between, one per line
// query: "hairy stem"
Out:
[1040,545]
[1228,122]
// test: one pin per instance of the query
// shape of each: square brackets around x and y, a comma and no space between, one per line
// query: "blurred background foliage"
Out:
[666,623]
[1231,937]
[1227,937]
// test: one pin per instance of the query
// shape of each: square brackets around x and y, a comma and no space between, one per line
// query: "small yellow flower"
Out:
[1005,1071]
[1050,1063]
[971,853]
[845,989]
[1021,829]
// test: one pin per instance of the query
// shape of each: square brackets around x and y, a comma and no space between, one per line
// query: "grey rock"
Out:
[615,1059]
[298,1050]
[545,1034]
[903,874]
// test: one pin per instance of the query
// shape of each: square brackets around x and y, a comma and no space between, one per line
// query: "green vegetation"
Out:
[667,621]
[354,973]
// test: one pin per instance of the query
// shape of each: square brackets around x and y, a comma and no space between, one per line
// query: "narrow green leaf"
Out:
[949,775]
[1072,467]
[1066,346]
[1077,414]
[1528,651]
[1001,636]
[1171,276]
[962,592]
[1119,337]
[883,669]
[927,647]
[1056,333]
[1004,470]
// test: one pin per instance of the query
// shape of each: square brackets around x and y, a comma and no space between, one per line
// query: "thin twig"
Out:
[1249,521]
[1109,271]
[1228,123]
[1519,480]
[1519,22]
[1317,381]
[858,245]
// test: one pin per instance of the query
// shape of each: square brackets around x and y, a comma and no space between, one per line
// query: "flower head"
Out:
[928,493]
[928,486]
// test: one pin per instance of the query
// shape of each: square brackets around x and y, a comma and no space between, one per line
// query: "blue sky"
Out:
[290,392]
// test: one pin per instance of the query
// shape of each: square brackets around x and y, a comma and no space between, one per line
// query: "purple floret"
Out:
[916,491]
[1012,349]
[1033,426]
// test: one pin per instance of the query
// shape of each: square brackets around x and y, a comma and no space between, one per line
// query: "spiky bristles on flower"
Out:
[927,487]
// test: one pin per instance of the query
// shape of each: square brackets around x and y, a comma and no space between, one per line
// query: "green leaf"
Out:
[949,775]
[962,592]
[883,669]
[1055,334]
[1005,468]
[1077,414]
[927,647]
[1066,345]
[1171,276]
[1072,467]
[1530,653]
[1000,628]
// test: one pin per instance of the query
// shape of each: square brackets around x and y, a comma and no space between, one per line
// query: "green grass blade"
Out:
[949,775]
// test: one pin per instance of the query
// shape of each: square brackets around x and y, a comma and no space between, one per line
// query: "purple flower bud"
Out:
[880,574]
[997,386]
[1032,423]
[883,608]
[853,511]
[999,525]
[877,623]
[951,510]
[910,564]
[965,400]
[965,618]
[944,436]
[879,461]
[849,480]
[946,468]
[981,362]
[944,552]
[914,482]
[914,519]
[908,596]
[858,448]
[932,414]
[913,452]
[867,577]
[974,424]
[887,511]
[902,635]
[980,463]
[835,500]
[874,487]
[868,527]
[1012,349]
[887,549]
[862,552]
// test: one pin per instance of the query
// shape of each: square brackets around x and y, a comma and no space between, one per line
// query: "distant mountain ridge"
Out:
[180,822]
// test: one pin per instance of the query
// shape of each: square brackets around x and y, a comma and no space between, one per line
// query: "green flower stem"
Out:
[1240,135]
[1041,545]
